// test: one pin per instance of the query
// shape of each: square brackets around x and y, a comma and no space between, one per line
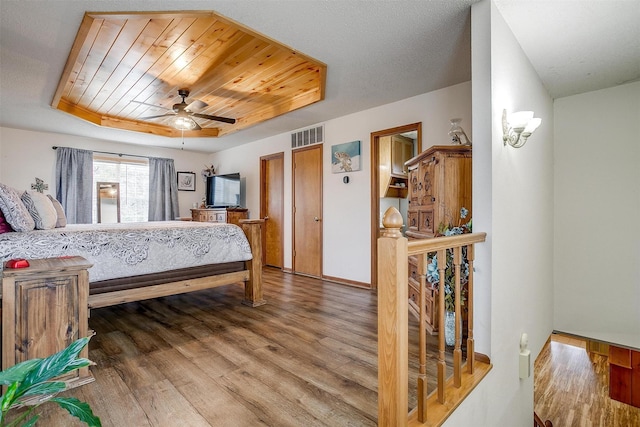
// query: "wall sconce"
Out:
[518,127]
[456,131]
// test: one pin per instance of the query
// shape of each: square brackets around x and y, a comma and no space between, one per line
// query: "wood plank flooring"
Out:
[572,388]
[307,358]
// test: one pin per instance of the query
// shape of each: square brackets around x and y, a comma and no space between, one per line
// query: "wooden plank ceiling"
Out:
[147,57]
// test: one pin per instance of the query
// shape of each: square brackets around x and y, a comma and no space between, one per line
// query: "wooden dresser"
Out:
[229,215]
[439,185]
[44,309]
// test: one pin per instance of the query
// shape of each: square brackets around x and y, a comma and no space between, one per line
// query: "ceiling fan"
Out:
[184,113]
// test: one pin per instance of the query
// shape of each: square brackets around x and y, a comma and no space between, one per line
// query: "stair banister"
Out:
[393,309]
[393,318]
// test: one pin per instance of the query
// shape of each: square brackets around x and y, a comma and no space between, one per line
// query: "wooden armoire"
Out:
[439,185]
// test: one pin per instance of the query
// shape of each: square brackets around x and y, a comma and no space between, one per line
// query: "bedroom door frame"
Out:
[375,187]
[267,189]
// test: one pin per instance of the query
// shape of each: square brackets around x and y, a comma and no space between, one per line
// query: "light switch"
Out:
[525,357]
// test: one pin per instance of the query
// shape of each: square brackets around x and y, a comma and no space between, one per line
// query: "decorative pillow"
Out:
[4,225]
[41,209]
[62,218]
[14,210]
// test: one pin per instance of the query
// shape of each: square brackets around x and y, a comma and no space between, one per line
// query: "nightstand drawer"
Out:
[216,216]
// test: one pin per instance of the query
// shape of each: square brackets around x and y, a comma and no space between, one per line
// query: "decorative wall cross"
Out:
[39,186]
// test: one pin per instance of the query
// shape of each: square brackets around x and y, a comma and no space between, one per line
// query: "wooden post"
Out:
[422,375]
[457,350]
[442,366]
[253,287]
[470,344]
[393,334]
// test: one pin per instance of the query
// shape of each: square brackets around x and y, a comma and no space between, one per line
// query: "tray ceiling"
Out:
[147,57]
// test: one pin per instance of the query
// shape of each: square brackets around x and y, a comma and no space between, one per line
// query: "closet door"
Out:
[307,211]
[272,208]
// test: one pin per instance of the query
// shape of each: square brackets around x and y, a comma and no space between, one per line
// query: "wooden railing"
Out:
[393,308]
[537,422]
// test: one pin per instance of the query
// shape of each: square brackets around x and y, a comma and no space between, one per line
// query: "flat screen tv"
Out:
[223,191]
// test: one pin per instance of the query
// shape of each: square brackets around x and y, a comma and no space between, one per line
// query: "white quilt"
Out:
[130,249]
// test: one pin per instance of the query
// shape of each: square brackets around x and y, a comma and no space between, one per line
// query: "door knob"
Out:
[266,218]
[316,219]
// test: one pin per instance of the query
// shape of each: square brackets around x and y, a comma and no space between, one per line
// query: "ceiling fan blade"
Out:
[156,117]
[197,125]
[196,105]
[149,105]
[216,118]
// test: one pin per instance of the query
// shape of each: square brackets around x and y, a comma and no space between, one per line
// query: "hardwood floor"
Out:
[308,357]
[572,388]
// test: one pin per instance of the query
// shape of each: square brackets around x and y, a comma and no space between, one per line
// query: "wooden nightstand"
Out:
[44,309]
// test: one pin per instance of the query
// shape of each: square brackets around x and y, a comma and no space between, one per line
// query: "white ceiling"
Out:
[376,52]
[578,46]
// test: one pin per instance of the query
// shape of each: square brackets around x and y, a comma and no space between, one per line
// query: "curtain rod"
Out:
[55,147]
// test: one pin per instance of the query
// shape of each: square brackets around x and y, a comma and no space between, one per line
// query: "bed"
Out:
[132,262]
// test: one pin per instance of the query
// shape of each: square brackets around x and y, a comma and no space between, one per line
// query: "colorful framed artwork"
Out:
[345,157]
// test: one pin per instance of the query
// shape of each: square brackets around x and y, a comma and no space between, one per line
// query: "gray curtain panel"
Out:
[163,190]
[74,183]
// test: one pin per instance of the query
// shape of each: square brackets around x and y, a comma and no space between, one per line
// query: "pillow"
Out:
[4,225]
[41,209]
[62,218]
[14,210]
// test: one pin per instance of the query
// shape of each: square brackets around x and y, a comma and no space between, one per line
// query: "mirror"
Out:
[108,202]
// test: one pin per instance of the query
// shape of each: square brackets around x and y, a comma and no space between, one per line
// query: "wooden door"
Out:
[307,211]
[272,208]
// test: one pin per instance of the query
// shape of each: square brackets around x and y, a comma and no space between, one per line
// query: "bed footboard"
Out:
[251,276]
[107,299]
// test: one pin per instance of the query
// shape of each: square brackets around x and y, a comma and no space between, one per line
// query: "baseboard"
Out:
[338,280]
[346,282]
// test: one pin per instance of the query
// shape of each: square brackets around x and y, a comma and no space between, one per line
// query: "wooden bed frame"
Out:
[54,295]
[251,275]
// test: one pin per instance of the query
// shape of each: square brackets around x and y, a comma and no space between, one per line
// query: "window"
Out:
[133,177]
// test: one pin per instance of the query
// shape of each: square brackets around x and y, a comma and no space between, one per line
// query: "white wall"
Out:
[347,212]
[597,200]
[518,212]
[25,155]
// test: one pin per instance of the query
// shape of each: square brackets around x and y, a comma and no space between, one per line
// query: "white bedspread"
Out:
[130,249]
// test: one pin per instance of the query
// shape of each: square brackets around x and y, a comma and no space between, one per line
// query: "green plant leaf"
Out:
[9,397]
[31,421]
[16,373]
[52,387]
[55,364]
[78,409]
[77,364]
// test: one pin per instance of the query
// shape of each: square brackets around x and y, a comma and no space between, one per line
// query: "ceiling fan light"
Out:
[184,123]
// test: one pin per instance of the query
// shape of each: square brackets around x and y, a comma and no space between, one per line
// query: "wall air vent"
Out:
[305,137]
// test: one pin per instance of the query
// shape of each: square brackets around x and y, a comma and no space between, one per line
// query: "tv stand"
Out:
[228,215]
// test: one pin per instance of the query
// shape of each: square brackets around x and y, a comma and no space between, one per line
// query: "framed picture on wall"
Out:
[186,181]
[345,157]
